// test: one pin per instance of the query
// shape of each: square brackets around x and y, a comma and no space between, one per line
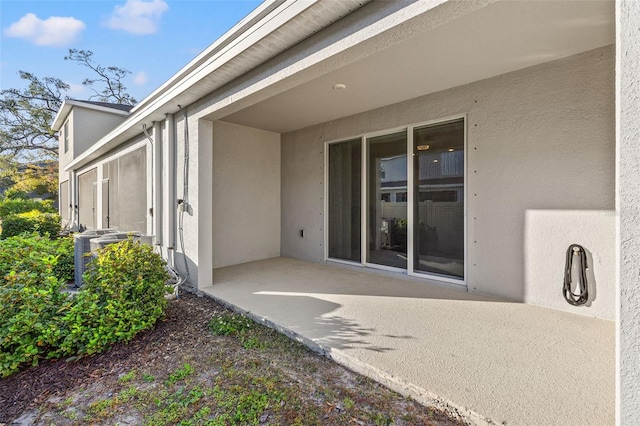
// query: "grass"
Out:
[242,374]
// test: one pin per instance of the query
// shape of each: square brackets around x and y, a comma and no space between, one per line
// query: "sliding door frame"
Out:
[458,282]
[365,198]
[410,271]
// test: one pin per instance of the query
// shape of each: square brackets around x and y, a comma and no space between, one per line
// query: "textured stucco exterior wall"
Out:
[65,158]
[187,241]
[89,126]
[548,235]
[628,204]
[246,194]
[538,138]
[86,127]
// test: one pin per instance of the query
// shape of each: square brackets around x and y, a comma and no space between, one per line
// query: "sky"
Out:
[151,38]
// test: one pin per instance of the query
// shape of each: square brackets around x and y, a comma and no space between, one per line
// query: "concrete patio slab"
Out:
[495,362]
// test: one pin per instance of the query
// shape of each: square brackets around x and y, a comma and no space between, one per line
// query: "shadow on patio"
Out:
[492,360]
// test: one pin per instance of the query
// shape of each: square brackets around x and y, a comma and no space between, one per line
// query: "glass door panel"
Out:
[438,210]
[344,197]
[387,200]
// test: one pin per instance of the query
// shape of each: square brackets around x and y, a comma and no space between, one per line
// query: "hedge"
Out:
[33,221]
[123,294]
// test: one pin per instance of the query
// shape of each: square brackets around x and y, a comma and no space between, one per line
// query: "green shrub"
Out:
[64,268]
[33,221]
[15,194]
[123,294]
[30,301]
[34,254]
[14,206]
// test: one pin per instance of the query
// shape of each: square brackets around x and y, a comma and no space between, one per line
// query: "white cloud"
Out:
[137,16]
[140,78]
[53,31]
[75,89]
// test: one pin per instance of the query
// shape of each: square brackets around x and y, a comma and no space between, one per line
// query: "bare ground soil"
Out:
[180,372]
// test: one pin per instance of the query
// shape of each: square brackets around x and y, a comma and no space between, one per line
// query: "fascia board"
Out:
[263,10]
[62,114]
[68,104]
[228,53]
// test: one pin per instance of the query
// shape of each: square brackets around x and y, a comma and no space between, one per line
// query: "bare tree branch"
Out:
[110,78]
[27,114]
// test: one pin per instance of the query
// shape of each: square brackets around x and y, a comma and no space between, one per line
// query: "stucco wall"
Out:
[548,234]
[65,158]
[89,126]
[246,194]
[628,204]
[188,227]
[538,138]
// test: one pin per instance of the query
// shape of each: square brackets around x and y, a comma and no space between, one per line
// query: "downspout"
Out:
[150,182]
[157,184]
[170,188]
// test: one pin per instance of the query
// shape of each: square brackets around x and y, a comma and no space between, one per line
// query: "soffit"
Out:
[499,38]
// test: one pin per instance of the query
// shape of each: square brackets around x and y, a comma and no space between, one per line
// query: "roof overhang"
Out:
[68,104]
[269,30]
[417,48]
[495,39]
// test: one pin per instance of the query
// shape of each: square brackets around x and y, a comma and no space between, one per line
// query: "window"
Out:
[65,135]
[401,197]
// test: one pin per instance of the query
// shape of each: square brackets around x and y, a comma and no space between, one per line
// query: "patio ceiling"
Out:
[501,37]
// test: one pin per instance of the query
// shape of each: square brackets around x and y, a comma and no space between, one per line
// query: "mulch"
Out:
[183,330]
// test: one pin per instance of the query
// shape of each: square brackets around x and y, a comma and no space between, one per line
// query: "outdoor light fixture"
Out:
[422,147]
[339,86]
[450,149]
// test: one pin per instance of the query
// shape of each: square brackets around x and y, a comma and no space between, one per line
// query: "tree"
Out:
[26,114]
[39,179]
[109,77]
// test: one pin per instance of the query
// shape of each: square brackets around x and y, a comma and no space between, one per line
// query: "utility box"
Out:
[106,239]
[82,250]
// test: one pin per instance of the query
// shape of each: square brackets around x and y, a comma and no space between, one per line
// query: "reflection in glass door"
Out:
[438,207]
[387,200]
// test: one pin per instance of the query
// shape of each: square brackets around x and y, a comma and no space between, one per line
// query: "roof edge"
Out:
[68,104]
[227,38]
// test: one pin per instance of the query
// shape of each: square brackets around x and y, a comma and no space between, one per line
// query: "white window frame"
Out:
[427,276]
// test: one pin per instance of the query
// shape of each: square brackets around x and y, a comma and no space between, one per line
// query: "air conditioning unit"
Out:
[105,240]
[82,250]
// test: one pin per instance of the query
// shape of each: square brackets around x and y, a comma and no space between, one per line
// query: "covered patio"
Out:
[492,360]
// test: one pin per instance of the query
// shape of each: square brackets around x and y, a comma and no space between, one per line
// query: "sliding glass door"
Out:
[387,200]
[344,200]
[438,199]
[394,211]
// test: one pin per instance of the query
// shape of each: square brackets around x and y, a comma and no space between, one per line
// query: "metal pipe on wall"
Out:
[157,183]
[169,180]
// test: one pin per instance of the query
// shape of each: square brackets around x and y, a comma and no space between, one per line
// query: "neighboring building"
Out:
[279,139]
[79,125]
